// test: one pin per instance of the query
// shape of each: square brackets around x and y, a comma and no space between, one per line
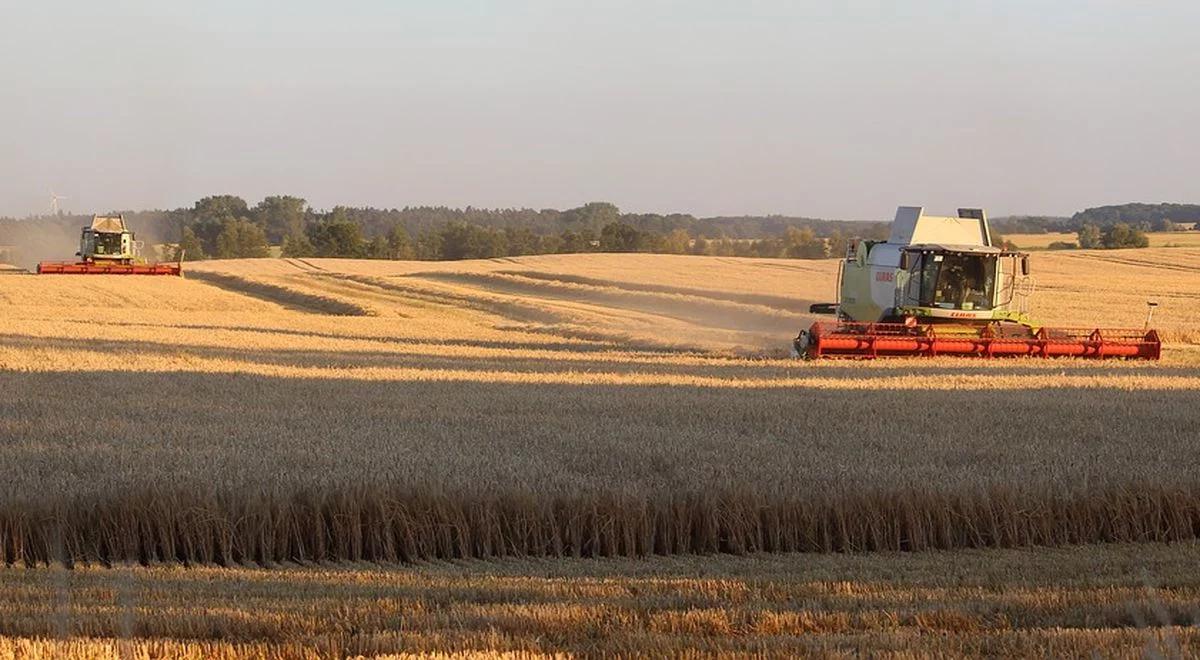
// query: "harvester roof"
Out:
[962,249]
[913,227]
[108,224]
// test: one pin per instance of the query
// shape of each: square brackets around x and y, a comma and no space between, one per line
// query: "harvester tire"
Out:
[800,345]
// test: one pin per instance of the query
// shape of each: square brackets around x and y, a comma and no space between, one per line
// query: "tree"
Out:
[593,216]
[620,237]
[189,246]
[337,238]
[282,216]
[378,248]
[241,239]
[429,245]
[219,208]
[521,241]
[677,242]
[1157,215]
[1089,237]
[571,242]
[465,241]
[1121,235]
[838,244]
[400,246]
[549,244]
[803,244]
[591,241]
[298,246]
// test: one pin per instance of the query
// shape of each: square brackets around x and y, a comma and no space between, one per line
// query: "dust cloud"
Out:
[23,243]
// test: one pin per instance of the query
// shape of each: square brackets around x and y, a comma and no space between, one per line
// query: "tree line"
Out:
[1142,217]
[338,236]
[226,226]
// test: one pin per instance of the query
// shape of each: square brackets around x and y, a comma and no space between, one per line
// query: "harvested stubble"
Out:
[544,406]
[1113,600]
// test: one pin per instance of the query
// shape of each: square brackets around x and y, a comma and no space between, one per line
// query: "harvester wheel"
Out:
[800,345]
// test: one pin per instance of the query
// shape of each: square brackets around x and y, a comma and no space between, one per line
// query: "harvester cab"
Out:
[934,268]
[108,239]
[108,247]
[938,285]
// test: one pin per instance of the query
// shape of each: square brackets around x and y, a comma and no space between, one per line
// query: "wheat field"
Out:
[1158,239]
[281,411]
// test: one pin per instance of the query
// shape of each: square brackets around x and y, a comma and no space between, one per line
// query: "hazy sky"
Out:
[834,109]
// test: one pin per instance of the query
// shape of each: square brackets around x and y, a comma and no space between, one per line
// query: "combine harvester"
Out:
[938,286]
[108,248]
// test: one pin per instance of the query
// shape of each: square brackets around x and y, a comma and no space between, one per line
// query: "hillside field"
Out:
[467,440]
[1175,239]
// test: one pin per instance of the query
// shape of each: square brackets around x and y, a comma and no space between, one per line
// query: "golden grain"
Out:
[275,410]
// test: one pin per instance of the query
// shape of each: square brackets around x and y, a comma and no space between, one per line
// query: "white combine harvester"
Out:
[108,247]
[938,286]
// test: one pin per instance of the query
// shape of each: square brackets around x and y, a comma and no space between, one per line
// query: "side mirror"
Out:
[903,261]
[1025,265]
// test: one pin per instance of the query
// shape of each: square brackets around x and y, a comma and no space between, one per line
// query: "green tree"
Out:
[1089,237]
[281,216]
[429,245]
[189,246]
[378,248]
[1121,235]
[838,244]
[521,241]
[338,237]
[208,216]
[620,237]
[593,216]
[220,208]
[464,241]
[549,244]
[400,246]
[677,242]
[591,242]
[241,239]
[571,242]
[298,246]
[722,247]
[803,244]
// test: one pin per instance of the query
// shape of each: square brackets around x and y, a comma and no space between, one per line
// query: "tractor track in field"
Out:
[283,296]
[1137,263]
[775,302]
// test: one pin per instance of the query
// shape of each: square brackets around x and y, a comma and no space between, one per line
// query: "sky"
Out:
[830,109]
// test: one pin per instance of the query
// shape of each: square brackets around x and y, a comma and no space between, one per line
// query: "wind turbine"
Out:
[55,207]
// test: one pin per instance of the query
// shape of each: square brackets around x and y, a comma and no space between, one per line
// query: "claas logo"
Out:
[884,276]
